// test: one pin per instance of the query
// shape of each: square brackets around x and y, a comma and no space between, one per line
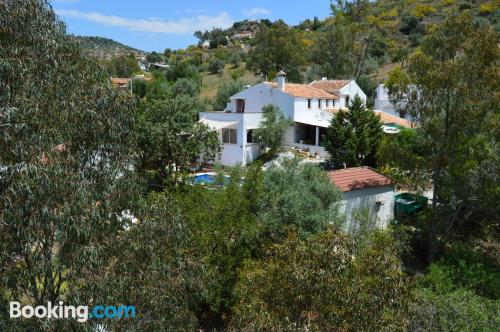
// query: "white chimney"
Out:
[281,78]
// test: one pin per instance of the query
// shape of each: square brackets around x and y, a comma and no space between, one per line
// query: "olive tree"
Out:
[329,282]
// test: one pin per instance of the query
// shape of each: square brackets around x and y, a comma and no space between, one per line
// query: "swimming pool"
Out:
[203,178]
[207,178]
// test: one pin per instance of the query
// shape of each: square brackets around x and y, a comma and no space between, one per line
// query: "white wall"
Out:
[383,102]
[352,89]
[261,95]
[313,116]
[367,198]
[241,152]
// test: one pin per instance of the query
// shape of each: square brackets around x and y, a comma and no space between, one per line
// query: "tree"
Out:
[216,66]
[353,137]
[171,137]
[224,232]
[139,87]
[122,66]
[217,37]
[148,266]
[185,86]
[226,90]
[67,154]
[297,196]
[235,59]
[272,128]
[278,48]
[333,52]
[326,282]
[401,153]
[154,57]
[450,86]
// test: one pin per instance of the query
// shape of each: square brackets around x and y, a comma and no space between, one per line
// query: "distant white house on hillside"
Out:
[384,104]
[364,188]
[309,107]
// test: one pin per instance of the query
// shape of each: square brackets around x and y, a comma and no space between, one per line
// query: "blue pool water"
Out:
[204,178]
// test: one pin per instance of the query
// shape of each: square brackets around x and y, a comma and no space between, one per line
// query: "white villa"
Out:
[309,107]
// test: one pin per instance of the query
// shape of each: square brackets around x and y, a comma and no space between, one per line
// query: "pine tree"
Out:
[352,137]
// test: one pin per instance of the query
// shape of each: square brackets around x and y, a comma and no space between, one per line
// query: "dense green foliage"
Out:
[272,128]
[67,149]
[354,287]
[451,87]
[171,137]
[262,248]
[278,48]
[298,197]
[122,66]
[226,90]
[353,136]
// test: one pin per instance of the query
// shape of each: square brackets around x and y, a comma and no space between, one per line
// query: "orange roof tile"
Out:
[304,90]
[329,85]
[120,80]
[387,118]
[358,178]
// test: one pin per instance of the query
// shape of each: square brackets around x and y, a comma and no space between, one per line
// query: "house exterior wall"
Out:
[294,108]
[383,102]
[352,89]
[261,95]
[241,152]
[367,198]
[314,116]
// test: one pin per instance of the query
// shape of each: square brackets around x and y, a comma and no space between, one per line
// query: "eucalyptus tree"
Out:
[67,153]
[450,86]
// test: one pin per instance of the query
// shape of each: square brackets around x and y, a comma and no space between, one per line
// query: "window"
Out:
[308,103]
[327,102]
[319,103]
[228,135]
[250,136]
[346,101]
[240,105]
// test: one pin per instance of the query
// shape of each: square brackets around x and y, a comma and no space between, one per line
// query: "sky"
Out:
[153,25]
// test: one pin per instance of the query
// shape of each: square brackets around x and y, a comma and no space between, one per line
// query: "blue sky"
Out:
[153,25]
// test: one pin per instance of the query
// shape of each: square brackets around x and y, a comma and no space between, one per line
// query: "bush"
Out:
[186,86]
[298,196]
[324,283]
[460,310]
[235,59]
[216,66]
[225,91]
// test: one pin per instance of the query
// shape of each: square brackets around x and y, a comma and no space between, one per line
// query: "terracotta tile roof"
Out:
[329,85]
[387,118]
[358,178]
[120,80]
[304,90]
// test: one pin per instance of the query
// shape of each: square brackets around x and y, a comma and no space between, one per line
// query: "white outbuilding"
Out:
[365,188]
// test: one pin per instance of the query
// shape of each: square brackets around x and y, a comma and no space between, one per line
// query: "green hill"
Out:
[105,48]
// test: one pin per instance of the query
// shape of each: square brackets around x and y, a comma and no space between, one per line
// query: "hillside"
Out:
[105,48]
[212,82]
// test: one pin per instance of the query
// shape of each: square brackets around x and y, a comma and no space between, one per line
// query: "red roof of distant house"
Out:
[387,118]
[120,80]
[358,178]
